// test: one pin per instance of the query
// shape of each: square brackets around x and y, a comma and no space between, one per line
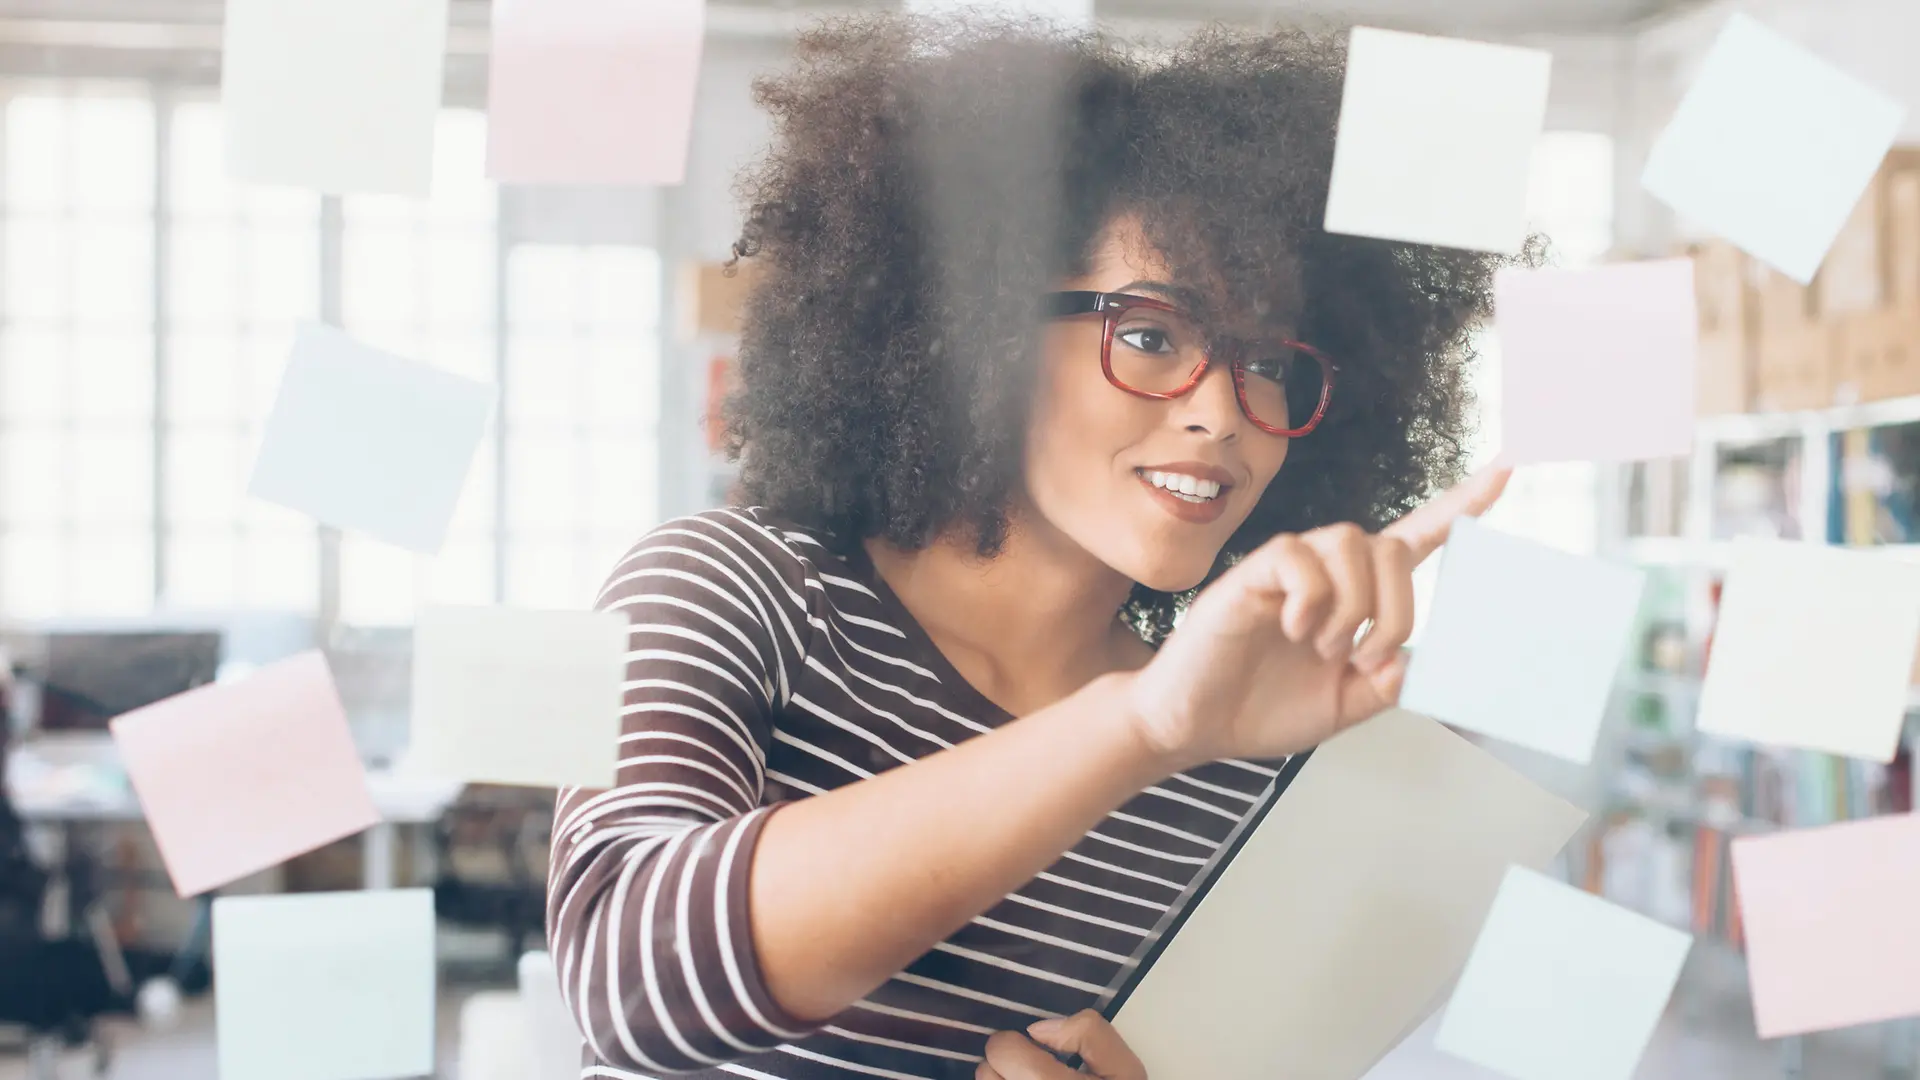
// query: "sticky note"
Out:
[592,91]
[1561,985]
[365,440]
[552,1032]
[1597,364]
[1348,912]
[236,777]
[335,95]
[325,986]
[1436,138]
[1523,641]
[1829,915]
[1812,649]
[1771,147]
[518,696]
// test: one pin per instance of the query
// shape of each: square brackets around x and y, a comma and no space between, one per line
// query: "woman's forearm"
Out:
[850,886]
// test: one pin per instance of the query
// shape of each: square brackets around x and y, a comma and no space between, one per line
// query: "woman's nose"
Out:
[1212,406]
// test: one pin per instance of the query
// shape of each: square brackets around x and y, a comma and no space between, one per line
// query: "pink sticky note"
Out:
[1597,364]
[1831,935]
[237,777]
[592,91]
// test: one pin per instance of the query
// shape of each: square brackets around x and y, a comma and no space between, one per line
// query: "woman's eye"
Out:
[1148,339]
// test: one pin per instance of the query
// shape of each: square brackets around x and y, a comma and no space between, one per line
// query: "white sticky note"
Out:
[1771,147]
[1523,641]
[335,95]
[1436,139]
[1340,924]
[325,986]
[515,696]
[366,440]
[1561,985]
[592,91]
[1812,649]
[1597,364]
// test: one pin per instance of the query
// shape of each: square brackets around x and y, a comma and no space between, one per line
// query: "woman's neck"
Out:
[1025,628]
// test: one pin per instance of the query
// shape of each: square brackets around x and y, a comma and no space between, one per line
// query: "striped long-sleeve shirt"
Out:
[762,668]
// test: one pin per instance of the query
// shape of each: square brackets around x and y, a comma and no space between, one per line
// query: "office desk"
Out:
[45,791]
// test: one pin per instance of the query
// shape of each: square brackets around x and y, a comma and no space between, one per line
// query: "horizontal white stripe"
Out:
[1019,969]
[918,1048]
[1098,891]
[1082,916]
[925,1018]
[1149,823]
[870,1070]
[1056,942]
[971,994]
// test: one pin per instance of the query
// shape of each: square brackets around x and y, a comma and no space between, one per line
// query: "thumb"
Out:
[1366,694]
[1088,1034]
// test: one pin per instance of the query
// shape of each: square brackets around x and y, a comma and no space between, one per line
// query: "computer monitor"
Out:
[90,678]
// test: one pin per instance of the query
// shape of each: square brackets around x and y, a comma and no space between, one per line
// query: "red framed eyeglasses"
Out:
[1283,386]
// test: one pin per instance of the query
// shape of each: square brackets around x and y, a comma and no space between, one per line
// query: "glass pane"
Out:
[203,380]
[380,278]
[113,155]
[377,583]
[546,573]
[206,477]
[33,379]
[461,278]
[112,476]
[625,287]
[36,471]
[199,176]
[544,287]
[473,513]
[542,381]
[39,270]
[112,573]
[281,570]
[32,573]
[114,258]
[625,375]
[461,574]
[263,360]
[201,568]
[112,376]
[36,153]
[624,482]
[282,268]
[543,476]
[204,289]
[461,352]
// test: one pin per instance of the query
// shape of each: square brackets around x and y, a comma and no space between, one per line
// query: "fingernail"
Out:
[1043,1029]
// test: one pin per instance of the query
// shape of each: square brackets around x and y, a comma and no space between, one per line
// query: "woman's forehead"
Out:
[1123,254]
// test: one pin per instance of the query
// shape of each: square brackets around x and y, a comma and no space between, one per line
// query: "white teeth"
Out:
[1192,488]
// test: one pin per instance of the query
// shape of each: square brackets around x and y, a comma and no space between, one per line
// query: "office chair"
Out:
[492,852]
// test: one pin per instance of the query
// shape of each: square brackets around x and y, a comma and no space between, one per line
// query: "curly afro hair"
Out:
[931,179]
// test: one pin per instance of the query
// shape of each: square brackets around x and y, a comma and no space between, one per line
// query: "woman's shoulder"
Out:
[737,544]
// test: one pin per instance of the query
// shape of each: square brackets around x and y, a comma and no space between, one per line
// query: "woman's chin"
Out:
[1171,579]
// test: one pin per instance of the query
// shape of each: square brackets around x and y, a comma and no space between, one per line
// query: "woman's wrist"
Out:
[1142,756]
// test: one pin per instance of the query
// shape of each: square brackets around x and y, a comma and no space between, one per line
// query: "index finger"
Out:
[1425,529]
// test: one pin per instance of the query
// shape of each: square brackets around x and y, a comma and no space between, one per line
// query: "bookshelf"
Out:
[1844,475]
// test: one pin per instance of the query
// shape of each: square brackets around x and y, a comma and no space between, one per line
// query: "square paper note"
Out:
[1523,641]
[1771,147]
[336,95]
[366,440]
[1597,365]
[1562,985]
[1813,649]
[325,986]
[509,696]
[592,91]
[1408,828]
[1068,12]
[237,777]
[1436,140]
[1829,917]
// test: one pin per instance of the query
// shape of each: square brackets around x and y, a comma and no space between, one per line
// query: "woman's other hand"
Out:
[1012,1056]
[1265,662]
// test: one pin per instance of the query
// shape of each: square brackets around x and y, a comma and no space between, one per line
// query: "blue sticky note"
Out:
[1523,641]
[365,440]
[325,986]
[1561,985]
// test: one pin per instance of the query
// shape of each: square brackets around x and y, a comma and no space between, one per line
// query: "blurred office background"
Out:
[147,306]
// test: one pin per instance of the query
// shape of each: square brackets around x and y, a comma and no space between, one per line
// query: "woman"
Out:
[1046,335]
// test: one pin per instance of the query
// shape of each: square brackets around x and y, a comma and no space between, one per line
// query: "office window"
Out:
[418,277]
[243,271]
[581,411]
[76,353]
